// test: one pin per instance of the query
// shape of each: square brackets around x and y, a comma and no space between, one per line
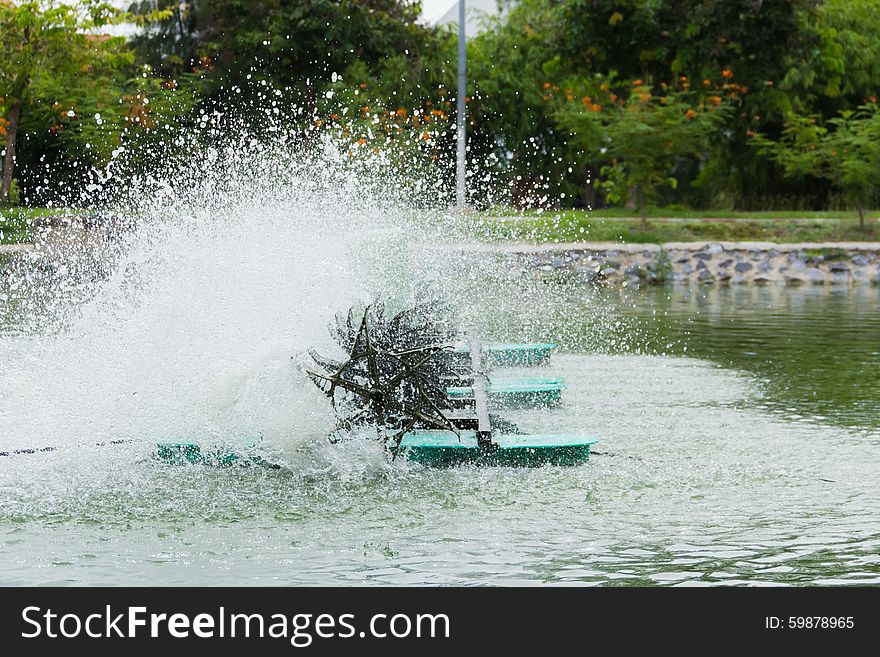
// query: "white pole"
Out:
[461,125]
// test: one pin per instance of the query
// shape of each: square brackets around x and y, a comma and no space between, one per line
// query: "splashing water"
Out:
[192,318]
[188,310]
[187,313]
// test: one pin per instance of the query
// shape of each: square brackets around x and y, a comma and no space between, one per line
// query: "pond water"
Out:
[739,443]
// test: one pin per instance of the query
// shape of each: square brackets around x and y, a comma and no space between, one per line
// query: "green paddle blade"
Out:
[517,393]
[445,449]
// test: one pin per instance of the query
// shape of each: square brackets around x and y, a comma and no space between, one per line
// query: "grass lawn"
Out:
[612,225]
[677,213]
[15,223]
[622,226]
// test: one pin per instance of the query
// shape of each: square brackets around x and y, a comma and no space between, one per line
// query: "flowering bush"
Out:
[638,132]
[372,120]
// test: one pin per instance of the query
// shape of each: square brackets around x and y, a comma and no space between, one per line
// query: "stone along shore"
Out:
[725,263]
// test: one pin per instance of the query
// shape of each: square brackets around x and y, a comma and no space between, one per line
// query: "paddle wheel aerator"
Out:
[427,393]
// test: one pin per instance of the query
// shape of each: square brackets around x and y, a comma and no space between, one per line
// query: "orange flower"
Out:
[715,100]
[596,108]
[690,114]
[586,100]
[637,83]
[546,86]
[361,141]
[683,78]
[727,73]
[707,82]
[426,136]
[401,112]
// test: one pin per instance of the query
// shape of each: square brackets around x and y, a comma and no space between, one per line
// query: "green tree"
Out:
[511,66]
[329,59]
[285,43]
[846,152]
[641,137]
[842,67]
[51,51]
[542,43]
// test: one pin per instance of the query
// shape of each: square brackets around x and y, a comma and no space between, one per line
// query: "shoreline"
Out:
[726,263]
[707,263]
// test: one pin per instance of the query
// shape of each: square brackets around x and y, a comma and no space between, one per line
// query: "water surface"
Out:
[740,443]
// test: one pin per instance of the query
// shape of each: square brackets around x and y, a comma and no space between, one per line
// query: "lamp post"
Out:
[461,125]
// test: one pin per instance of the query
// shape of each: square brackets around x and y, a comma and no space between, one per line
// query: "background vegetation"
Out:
[705,104]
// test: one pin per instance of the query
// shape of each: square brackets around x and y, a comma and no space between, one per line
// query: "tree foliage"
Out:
[51,63]
[845,151]
[375,74]
[288,43]
[639,136]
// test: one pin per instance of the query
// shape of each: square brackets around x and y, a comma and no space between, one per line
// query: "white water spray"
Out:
[220,277]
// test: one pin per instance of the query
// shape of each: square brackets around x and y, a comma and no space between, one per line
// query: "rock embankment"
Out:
[726,263]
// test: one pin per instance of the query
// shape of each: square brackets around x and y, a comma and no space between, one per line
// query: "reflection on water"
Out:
[815,351]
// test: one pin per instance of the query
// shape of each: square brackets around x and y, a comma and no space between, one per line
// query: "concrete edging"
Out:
[731,263]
